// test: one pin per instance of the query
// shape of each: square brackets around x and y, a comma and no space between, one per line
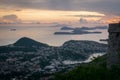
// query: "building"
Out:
[113,45]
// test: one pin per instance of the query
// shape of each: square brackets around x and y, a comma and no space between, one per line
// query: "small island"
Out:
[80,31]
[76,33]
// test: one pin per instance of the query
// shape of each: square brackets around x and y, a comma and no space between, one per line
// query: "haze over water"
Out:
[43,33]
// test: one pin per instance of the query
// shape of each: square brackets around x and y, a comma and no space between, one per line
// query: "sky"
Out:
[60,11]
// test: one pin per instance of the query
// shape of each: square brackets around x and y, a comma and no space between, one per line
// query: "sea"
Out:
[10,33]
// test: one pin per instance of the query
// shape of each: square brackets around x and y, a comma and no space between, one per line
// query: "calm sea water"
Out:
[42,33]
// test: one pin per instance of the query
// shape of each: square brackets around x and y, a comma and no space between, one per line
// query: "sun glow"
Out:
[115,19]
[53,15]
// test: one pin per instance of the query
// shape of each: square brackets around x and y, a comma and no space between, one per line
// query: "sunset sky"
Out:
[60,11]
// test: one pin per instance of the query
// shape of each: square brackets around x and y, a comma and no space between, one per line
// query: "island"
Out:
[80,31]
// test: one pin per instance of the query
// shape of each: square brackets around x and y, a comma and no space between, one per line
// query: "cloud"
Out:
[11,19]
[86,15]
[104,6]
[18,10]
[115,19]
[85,21]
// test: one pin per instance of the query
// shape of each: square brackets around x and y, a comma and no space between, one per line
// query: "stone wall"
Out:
[113,45]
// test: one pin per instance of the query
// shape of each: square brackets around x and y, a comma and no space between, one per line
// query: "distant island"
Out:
[84,28]
[67,28]
[12,29]
[80,31]
[76,33]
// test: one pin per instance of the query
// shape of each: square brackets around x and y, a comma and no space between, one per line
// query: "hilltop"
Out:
[27,42]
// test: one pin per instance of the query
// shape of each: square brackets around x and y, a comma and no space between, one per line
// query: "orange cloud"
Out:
[10,19]
[115,19]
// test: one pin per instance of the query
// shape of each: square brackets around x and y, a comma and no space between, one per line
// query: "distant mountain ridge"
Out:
[72,47]
[70,50]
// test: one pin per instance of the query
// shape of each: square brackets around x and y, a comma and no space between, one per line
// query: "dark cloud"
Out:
[105,6]
[11,18]
[83,21]
[18,10]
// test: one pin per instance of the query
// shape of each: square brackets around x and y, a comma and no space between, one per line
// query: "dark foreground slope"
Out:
[95,70]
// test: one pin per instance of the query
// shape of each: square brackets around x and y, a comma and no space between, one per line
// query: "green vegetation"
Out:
[96,70]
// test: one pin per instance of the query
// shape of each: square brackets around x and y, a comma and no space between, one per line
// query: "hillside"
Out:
[95,70]
[77,50]
[27,42]
[81,50]
[32,57]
